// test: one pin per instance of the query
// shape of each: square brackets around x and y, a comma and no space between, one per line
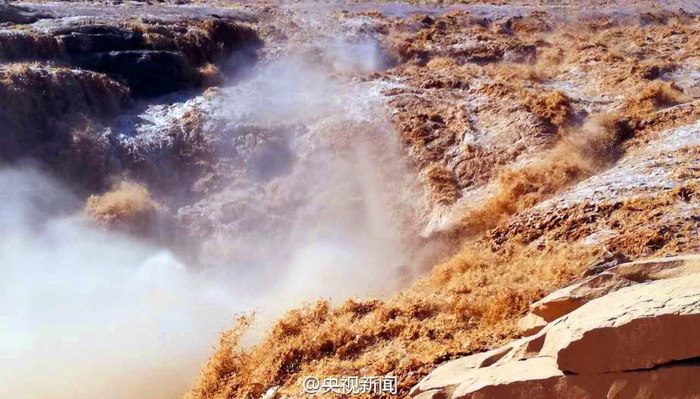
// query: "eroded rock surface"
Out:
[65,78]
[153,57]
[658,269]
[531,324]
[635,339]
[538,378]
[639,327]
[568,299]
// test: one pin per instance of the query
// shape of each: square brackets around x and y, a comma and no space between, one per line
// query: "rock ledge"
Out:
[630,332]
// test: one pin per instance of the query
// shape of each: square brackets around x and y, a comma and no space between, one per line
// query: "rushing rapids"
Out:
[264,193]
[341,189]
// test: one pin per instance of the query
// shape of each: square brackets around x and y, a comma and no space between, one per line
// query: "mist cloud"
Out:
[86,313]
[314,201]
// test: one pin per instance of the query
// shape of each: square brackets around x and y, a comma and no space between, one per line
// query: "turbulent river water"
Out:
[310,199]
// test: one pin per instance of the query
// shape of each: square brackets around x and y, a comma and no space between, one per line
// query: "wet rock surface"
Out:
[153,57]
[67,73]
[12,14]
[98,38]
[44,118]
[147,73]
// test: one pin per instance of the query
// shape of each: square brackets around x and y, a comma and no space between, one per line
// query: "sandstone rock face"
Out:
[518,380]
[601,279]
[626,340]
[531,324]
[635,328]
[606,262]
[658,269]
[456,371]
[573,297]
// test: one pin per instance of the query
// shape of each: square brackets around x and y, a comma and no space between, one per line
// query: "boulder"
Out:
[606,262]
[658,269]
[566,300]
[539,378]
[638,341]
[531,324]
[638,327]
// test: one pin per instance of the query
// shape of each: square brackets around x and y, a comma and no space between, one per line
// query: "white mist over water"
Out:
[86,313]
[311,200]
[310,182]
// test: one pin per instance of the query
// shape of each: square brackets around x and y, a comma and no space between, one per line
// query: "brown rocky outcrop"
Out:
[539,378]
[635,340]
[568,299]
[49,114]
[658,269]
[635,328]
[573,297]
[65,79]
[152,56]
[531,324]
